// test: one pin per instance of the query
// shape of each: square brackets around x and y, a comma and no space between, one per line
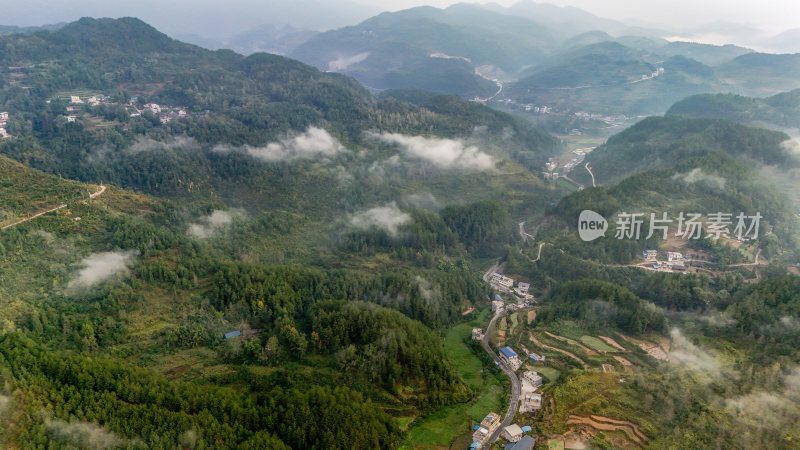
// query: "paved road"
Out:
[515,385]
[47,211]
[589,169]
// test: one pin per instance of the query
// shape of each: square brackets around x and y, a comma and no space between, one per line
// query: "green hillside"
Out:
[781,110]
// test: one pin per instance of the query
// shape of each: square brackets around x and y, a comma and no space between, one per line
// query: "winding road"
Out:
[516,387]
[92,196]
[589,169]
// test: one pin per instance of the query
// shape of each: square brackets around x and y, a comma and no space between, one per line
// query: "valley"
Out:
[471,227]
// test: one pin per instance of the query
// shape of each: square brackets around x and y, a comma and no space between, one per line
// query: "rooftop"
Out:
[508,352]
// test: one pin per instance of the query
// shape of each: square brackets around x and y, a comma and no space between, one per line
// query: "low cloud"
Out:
[82,434]
[347,61]
[314,143]
[792,147]
[213,223]
[769,410]
[699,176]
[388,218]
[441,153]
[99,267]
[686,354]
[146,144]
[423,200]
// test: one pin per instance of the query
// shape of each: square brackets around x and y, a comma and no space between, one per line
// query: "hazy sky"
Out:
[212,17]
[771,15]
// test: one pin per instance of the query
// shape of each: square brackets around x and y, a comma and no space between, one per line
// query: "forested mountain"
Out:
[331,229]
[201,249]
[778,111]
[429,48]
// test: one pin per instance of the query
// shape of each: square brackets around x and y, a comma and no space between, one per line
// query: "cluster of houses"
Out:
[531,398]
[503,283]
[657,73]
[165,114]
[515,435]
[675,260]
[4,125]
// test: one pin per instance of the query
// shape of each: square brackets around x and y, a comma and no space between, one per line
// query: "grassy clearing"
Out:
[448,424]
[597,344]
[552,374]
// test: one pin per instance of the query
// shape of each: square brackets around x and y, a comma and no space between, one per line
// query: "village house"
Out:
[531,402]
[512,433]
[497,305]
[533,378]
[522,289]
[510,357]
[674,256]
[153,107]
[3,133]
[3,119]
[526,443]
[502,280]
[71,119]
[75,100]
[650,255]
[486,427]
[477,334]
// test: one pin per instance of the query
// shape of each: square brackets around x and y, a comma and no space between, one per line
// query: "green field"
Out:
[552,374]
[597,344]
[451,423]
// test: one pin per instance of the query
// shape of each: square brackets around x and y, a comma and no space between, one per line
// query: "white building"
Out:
[3,118]
[3,133]
[532,378]
[531,402]
[650,255]
[477,334]
[512,433]
[497,305]
[153,107]
[510,357]
[502,280]
[74,99]
[674,256]
[71,119]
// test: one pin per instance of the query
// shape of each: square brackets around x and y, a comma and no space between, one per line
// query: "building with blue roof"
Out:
[526,443]
[232,334]
[508,352]
[510,357]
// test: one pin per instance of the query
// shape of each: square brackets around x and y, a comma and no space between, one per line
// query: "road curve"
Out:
[515,384]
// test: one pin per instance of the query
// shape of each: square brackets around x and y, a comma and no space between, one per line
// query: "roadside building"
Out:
[502,280]
[497,305]
[674,256]
[491,421]
[477,334]
[510,357]
[650,255]
[526,443]
[533,378]
[512,433]
[531,402]
[486,428]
